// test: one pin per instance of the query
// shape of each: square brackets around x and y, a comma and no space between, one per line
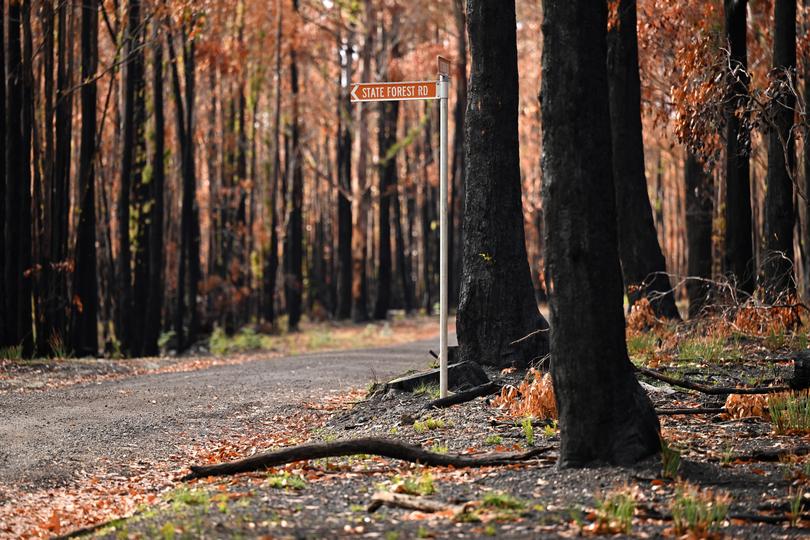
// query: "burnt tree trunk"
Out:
[455,216]
[497,303]
[3,178]
[642,261]
[605,415]
[271,259]
[344,166]
[294,239]
[779,212]
[739,248]
[84,304]
[699,197]
[154,288]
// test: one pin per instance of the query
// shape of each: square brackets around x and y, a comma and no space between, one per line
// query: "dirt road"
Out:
[47,437]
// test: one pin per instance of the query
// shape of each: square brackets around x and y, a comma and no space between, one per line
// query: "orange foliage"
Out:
[534,397]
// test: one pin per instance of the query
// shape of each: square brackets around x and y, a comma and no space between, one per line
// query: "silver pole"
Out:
[444,91]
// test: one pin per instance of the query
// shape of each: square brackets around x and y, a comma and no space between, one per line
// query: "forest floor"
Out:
[713,482]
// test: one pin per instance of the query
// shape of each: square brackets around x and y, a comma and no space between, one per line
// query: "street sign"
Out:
[394,91]
[421,90]
[444,66]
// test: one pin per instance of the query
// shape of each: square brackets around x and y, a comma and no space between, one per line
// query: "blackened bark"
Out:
[403,257]
[85,287]
[779,212]
[497,303]
[386,139]
[455,216]
[127,327]
[344,166]
[699,197]
[604,413]
[294,239]
[271,259]
[154,288]
[643,264]
[739,248]
[3,179]
[17,242]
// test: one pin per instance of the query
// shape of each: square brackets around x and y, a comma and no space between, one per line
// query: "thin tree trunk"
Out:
[779,212]
[4,340]
[739,247]
[85,287]
[497,304]
[699,196]
[271,261]
[294,239]
[604,414]
[643,264]
[344,158]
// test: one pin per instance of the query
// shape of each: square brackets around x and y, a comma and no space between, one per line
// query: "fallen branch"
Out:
[773,455]
[710,390]
[376,446]
[468,395]
[695,410]
[412,502]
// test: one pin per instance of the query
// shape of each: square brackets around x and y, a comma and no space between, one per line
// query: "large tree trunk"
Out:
[699,196]
[85,287]
[3,179]
[456,211]
[294,239]
[642,261]
[604,413]
[739,247]
[344,166]
[19,108]
[779,212]
[497,303]
[132,153]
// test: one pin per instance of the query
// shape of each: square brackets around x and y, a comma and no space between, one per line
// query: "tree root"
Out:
[710,390]
[371,445]
[468,395]
[412,502]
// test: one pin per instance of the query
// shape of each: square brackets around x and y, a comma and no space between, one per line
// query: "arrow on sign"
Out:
[394,91]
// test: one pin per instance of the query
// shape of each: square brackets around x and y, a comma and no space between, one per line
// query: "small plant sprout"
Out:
[504,506]
[790,413]
[796,506]
[438,448]
[698,513]
[550,430]
[285,480]
[411,485]
[670,460]
[614,512]
[493,440]
[528,430]
[428,424]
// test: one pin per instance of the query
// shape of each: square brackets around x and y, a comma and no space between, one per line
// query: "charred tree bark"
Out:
[497,297]
[344,166]
[85,287]
[456,211]
[699,197]
[778,276]
[294,239]
[3,179]
[643,264]
[132,153]
[605,416]
[19,108]
[154,289]
[739,247]
[271,259]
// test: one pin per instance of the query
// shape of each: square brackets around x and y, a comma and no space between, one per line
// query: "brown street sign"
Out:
[443,66]
[394,91]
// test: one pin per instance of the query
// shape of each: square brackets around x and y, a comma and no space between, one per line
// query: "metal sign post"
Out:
[444,92]
[425,90]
